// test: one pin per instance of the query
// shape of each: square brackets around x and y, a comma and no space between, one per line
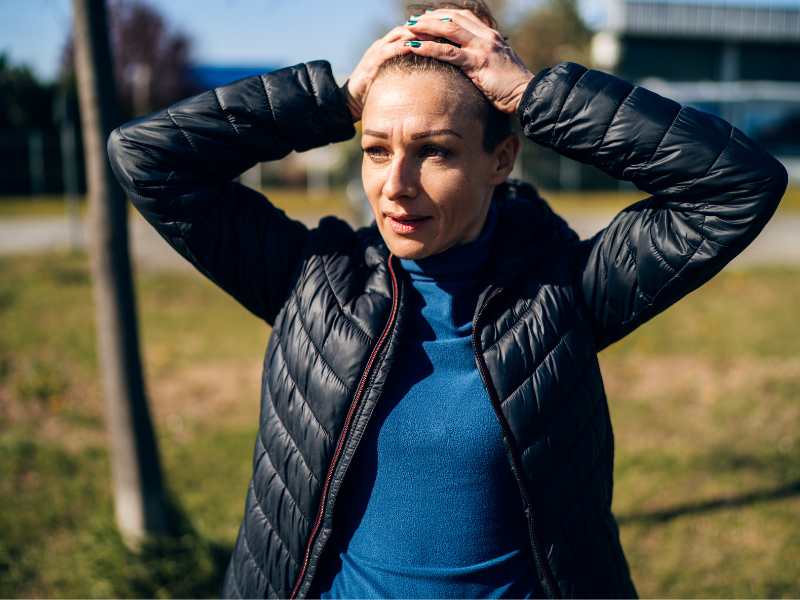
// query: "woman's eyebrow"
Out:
[416,136]
[433,132]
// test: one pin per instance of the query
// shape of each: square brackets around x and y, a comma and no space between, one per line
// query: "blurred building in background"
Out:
[207,76]
[738,61]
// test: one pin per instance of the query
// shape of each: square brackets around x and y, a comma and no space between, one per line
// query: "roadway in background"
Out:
[777,244]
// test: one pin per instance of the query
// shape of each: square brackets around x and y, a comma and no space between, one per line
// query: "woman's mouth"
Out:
[406,224]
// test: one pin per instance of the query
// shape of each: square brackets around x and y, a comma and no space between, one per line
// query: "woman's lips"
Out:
[403,226]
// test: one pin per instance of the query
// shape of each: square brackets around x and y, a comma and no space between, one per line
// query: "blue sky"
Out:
[258,32]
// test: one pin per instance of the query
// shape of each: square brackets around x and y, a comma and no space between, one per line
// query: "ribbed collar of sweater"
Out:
[459,262]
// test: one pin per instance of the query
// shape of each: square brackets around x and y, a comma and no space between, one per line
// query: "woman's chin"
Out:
[409,249]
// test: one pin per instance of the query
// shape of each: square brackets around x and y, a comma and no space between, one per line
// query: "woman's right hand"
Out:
[357,86]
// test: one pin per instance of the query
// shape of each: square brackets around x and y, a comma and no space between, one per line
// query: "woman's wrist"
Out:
[519,92]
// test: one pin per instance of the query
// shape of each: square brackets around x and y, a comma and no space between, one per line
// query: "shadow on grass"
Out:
[58,537]
[181,565]
[694,508]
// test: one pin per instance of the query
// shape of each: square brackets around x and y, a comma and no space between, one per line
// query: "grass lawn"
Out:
[704,401]
[293,201]
[297,202]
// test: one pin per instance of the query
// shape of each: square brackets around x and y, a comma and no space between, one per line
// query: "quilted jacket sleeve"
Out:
[178,165]
[711,190]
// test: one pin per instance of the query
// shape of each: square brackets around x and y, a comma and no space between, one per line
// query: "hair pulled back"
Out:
[497,124]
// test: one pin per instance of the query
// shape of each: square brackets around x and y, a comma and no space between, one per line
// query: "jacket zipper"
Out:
[345,429]
[550,582]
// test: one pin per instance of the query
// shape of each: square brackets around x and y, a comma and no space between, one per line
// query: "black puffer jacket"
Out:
[336,297]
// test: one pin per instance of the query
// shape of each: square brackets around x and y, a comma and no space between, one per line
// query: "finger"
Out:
[472,17]
[394,49]
[401,31]
[441,51]
[469,21]
[465,18]
[449,29]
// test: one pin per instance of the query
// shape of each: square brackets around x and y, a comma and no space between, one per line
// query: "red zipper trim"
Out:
[348,418]
[543,567]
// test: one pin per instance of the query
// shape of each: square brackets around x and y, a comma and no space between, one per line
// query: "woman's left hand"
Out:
[484,56]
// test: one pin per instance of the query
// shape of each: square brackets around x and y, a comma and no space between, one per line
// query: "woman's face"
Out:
[423,158]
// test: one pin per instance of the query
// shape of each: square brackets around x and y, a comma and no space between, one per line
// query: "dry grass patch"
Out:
[680,396]
[223,393]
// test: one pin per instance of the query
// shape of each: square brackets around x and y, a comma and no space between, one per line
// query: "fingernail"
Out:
[411,22]
[445,19]
[414,44]
[428,10]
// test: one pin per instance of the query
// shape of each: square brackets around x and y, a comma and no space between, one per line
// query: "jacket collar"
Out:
[527,233]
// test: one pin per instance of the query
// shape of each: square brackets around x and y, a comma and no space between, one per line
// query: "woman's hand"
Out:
[483,55]
[357,86]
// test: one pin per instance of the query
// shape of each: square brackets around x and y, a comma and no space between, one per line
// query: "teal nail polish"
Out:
[411,22]
[414,44]
[428,10]
[445,19]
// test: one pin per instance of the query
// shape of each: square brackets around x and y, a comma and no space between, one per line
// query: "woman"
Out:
[433,418]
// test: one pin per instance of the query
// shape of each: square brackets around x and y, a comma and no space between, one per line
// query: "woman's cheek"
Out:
[371,181]
[439,180]
[447,188]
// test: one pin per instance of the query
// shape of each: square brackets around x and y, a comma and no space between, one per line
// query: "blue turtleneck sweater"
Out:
[429,506]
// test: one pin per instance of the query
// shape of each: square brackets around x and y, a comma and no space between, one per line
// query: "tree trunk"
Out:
[139,499]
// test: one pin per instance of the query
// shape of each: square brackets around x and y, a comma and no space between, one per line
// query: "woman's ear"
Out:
[504,157]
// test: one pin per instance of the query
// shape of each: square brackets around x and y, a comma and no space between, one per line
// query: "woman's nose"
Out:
[401,179]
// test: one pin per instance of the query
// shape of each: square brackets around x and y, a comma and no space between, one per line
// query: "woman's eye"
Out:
[375,152]
[436,151]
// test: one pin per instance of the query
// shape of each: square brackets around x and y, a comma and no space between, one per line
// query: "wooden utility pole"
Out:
[139,499]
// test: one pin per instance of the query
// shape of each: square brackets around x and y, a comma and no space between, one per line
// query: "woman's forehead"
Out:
[406,102]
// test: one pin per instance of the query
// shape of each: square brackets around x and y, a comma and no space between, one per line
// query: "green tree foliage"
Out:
[552,32]
[25,103]
[145,47]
